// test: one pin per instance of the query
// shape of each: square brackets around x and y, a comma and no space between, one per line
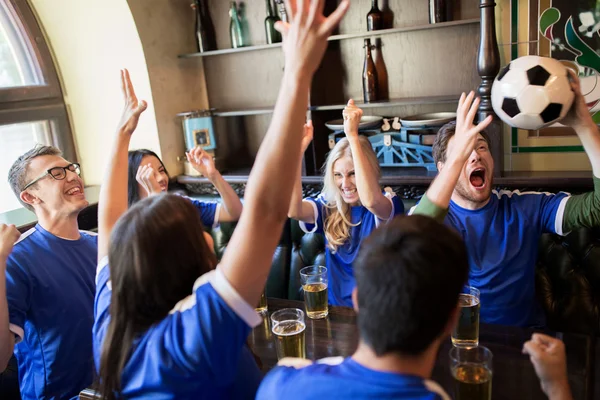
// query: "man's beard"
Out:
[467,195]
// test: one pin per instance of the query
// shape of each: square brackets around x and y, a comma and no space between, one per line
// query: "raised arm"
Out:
[583,210]
[202,162]
[437,198]
[113,193]
[270,184]
[301,210]
[367,181]
[8,236]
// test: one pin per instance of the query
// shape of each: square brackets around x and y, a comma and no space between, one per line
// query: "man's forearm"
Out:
[590,139]
[440,190]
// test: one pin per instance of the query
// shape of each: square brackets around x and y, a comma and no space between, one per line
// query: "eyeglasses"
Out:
[58,173]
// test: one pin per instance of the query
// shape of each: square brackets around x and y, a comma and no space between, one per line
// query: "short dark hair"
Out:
[409,273]
[440,145]
[135,159]
[18,172]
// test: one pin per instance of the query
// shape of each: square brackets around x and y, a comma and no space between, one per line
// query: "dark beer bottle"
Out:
[388,15]
[370,90]
[273,36]
[382,75]
[439,11]
[205,31]
[374,17]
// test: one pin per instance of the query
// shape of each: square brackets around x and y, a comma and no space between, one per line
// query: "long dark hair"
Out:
[135,159]
[157,251]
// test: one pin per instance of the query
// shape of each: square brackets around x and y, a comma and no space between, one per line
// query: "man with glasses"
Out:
[49,291]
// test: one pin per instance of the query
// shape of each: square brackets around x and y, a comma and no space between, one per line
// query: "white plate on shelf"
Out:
[430,119]
[366,122]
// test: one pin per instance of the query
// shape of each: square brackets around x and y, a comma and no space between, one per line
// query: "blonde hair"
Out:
[337,220]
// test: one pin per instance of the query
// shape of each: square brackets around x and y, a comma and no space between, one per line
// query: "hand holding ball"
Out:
[532,92]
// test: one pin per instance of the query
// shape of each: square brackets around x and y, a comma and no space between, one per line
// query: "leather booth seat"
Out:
[568,281]
[567,274]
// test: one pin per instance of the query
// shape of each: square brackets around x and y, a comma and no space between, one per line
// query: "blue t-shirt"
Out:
[50,291]
[502,242]
[209,212]
[339,263]
[348,380]
[197,352]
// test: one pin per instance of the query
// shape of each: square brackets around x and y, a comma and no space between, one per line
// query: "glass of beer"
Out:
[471,369]
[314,284]
[466,331]
[288,327]
[262,308]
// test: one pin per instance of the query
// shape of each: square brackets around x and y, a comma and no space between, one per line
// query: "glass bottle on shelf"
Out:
[273,36]
[244,23]
[382,75]
[388,15]
[281,10]
[369,77]
[235,27]
[440,11]
[374,17]
[205,31]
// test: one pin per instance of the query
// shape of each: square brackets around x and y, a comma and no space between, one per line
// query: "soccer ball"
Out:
[532,92]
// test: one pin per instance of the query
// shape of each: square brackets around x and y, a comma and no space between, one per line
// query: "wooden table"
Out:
[514,376]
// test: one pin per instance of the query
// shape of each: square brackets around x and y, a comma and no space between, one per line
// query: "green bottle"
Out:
[235,27]
[273,36]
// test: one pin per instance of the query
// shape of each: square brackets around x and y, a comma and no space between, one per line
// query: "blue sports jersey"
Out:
[197,352]
[502,242]
[348,380]
[209,212]
[50,291]
[339,263]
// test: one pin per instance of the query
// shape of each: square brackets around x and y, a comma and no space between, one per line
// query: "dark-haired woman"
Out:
[166,324]
[148,176]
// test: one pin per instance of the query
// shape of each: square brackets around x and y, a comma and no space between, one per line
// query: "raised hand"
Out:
[547,355]
[308,135]
[202,162]
[8,236]
[352,115]
[466,132]
[303,36]
[579,115]
[133,108]
[146,176]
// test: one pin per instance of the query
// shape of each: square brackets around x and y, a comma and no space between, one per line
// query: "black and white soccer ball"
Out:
[532,92]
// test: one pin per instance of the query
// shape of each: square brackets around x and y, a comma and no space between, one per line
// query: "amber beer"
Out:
[472,372]
[262,304]
[314,283]
[289,330]
[290,339]
[472,382]
[466,331]
[315,299]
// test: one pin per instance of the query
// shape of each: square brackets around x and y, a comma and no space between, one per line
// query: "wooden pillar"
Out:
[488,65]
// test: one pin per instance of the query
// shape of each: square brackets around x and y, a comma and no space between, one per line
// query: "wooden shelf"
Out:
[242,112]
[393,102]
[390,103]
[370,34]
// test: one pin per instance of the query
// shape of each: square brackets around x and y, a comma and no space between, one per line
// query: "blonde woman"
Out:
[350,206]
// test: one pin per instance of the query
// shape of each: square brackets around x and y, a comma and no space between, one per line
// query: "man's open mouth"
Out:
[477,178]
